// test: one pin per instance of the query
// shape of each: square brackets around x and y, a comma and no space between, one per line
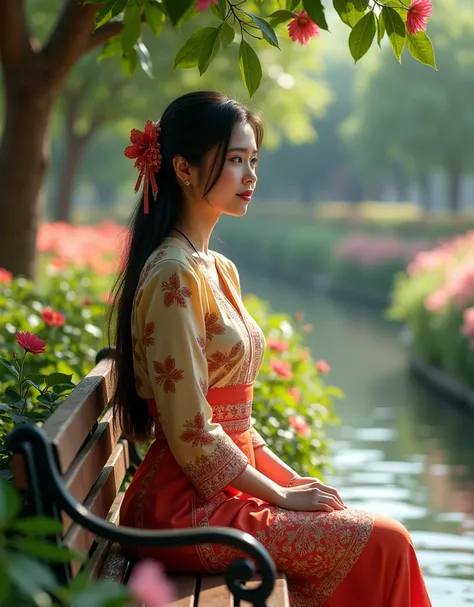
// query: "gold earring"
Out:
[187,182]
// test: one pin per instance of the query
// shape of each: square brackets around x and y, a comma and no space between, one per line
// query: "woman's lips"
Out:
[247,196]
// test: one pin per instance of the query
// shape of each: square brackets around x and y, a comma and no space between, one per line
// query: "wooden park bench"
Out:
[73,469]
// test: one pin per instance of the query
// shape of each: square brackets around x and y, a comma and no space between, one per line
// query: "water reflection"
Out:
[399,451]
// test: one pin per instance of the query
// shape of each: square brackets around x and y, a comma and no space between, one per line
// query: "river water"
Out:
[400,450]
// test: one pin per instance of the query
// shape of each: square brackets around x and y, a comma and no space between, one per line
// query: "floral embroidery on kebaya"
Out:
[213,327]
[202,344]
[174,292]
[148,337]
[219,359]
[167,374]
[151,264]
[195,432]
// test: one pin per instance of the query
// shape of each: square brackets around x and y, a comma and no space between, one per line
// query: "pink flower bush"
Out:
[99,247]
[53,318]
[203,5]
[281,368]
[302,29]
[149,586]
[30,342]
[418,13]
[5,276]
[371,251]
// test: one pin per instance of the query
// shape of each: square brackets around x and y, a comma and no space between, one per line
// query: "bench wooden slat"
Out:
[279,596]
[97,560]
[100,500]
[88,465]
[71,423]
[214,592]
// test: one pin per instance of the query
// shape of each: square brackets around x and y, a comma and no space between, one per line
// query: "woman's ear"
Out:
[184,171]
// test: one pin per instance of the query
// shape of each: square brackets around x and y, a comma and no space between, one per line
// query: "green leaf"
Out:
[208,50]
[37,526]
[395,4]
[60,388]
[110,10]
[154,16]
[421,48]
[220,10]
[360,5]
[188,54]
[29,576]
[9,366]
[46,550]
[102,594]
[131,27]
[362,36]
[176,9]
[19,419]
[38,378]
[6,475]
[226,34]
[280,17]
[267,30]
[380,29]
[348,12]
[9,503]
[5,408]
[58,378]
[292,4]
[250,67]
[395,30]
[315,10]
[47,399]
[145,63]
[12,397]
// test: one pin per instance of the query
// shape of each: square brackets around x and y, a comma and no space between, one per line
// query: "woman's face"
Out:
[233,191]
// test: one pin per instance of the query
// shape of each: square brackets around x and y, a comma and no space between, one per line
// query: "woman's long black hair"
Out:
[191,126]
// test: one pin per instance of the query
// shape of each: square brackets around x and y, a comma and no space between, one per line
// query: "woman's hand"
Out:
[310,494]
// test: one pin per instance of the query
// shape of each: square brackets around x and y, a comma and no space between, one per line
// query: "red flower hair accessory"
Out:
[146,149]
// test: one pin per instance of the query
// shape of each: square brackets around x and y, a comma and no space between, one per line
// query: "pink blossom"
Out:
[277,345]
[5,276]
[323,367]
[301,29]
[295,393]
[299,424]
[203,5]
[53,318]
[30,342]
[299,316]
[149,586]
[468,327]
[418,13]
[281,368]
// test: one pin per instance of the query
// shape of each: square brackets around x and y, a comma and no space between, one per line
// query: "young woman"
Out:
[188,354]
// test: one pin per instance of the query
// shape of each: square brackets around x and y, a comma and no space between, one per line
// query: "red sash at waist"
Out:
[232,395]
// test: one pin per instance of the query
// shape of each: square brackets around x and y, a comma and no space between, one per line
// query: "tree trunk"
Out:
[24,158]
[74,147]
[454,187]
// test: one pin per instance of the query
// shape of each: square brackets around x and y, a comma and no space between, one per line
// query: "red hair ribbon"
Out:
[146,149]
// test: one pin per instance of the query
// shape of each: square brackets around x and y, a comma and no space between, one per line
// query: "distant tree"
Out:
[415,120]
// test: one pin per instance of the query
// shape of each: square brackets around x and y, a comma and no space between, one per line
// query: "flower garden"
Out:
[52,330]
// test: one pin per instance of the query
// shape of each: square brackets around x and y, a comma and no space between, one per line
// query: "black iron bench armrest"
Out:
[33,443]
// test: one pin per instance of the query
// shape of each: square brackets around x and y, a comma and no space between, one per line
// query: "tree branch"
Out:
[69,39]
[14,35]
[104,33]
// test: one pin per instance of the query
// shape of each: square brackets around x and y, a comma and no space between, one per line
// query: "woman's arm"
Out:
[273,467]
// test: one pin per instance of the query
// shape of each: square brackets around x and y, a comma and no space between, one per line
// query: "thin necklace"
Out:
[184,236]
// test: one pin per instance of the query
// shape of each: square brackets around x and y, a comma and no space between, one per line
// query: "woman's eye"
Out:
[255,161]
[238,158]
